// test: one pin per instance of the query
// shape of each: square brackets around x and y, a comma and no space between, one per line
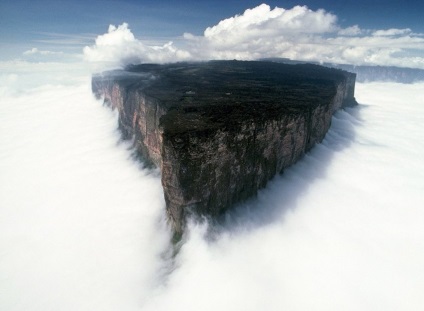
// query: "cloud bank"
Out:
[82,226]
[298,33]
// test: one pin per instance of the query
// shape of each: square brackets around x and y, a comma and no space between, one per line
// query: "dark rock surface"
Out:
[220,130]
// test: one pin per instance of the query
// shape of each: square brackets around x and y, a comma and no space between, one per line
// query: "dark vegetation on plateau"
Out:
[219,94]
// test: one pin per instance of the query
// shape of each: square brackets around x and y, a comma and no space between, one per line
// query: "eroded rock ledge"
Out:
[220,130]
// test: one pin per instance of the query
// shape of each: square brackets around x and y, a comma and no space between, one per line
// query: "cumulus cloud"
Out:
[298,33]
[303,34]
[119,47]
[263,32]
[264,21]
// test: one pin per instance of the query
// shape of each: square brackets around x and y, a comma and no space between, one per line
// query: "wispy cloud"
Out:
[36,55]
[35,51]
[350,31]
[392,32]
[65,39]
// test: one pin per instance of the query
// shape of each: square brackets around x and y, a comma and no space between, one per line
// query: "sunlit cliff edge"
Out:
[220,130]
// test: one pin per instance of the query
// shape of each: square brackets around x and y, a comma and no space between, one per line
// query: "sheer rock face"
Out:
[220,130]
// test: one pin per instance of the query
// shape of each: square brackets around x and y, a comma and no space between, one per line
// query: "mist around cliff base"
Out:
[82,225]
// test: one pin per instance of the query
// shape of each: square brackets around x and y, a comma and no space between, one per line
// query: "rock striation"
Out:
[220,130]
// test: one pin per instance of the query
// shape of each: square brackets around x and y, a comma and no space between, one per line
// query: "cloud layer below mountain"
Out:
[82,227]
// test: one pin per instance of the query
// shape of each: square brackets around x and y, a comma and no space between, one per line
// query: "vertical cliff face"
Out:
[209,170]
[138,114]
[219,131]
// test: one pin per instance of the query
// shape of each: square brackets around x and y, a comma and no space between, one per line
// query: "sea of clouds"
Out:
[82,224]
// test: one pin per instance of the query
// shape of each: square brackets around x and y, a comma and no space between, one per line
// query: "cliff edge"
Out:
[220,130]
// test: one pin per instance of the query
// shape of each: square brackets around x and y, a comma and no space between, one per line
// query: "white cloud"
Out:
[119,47]
[20,76]
[73,234]
[32,51]
[303,34]
[262,32]
[81,225]
[262,21]
[36,55]
[392,32]
[350,31]
[298,33]
[41,52]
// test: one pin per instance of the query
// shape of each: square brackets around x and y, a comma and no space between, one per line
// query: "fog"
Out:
[82,224]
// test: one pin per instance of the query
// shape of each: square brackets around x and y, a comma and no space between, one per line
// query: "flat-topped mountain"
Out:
[220,130]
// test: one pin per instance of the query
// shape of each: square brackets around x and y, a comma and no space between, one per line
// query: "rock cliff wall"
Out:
[220,147]
[139,114]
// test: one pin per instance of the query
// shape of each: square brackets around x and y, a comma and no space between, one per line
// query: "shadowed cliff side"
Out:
[220,130]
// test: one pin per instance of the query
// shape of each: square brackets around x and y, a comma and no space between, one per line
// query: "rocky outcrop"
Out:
[220,130]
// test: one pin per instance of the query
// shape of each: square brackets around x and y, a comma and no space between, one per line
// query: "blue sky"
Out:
[71,25]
